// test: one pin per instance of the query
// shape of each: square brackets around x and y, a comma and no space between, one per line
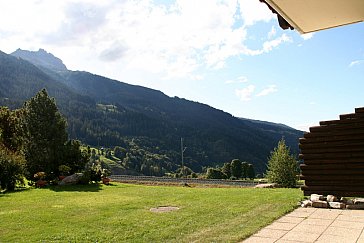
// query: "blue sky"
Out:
[231,55]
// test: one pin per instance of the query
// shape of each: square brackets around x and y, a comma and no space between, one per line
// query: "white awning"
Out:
[313,15]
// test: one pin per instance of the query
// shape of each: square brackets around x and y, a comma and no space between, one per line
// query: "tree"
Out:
[12,161]
[244,169]
[226,169]
[250,171]
[119,152]
[10,129]
[282,166]
[74,157]
[236,168]
[45,134]
[12,168]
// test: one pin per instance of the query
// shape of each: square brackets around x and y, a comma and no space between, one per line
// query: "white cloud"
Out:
[254,11]
[238,80]
[307,36]
[270,89]
[269,45]
[272,32]
[246,93]
[356,62]
[174,40]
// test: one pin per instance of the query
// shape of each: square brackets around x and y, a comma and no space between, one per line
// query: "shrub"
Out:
[92,172]
[282,166]
[12,169]
[213,173]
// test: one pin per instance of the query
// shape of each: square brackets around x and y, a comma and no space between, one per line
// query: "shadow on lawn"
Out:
[95,187]
[18,189]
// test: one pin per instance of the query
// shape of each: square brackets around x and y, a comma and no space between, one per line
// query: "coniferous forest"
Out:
[146,124]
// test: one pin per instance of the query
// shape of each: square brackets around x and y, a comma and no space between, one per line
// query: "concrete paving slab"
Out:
[288,219]
[348,224]
[334,239]
[355,213]
[271,233]
[256,239]
[300,236]
[325,214]
[314,225]
[282,226]
[302,212]
[322,222]
[285,241]
[316,229]
[350,218]
[361,237]
[350,234]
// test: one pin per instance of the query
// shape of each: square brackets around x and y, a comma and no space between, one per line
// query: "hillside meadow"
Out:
[121,213]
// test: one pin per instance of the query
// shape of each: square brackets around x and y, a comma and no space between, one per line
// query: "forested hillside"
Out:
[146,122]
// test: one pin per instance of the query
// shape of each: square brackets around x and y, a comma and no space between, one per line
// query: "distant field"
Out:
[120,213]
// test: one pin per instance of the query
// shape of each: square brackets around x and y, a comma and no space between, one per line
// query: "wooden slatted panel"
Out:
[333,155]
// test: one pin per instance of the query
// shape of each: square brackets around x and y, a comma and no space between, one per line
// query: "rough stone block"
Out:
[71,180]
[355,206]
[331,198]
[317,197]
[349,202]
[358,201]
[319,204]
[306,203]
[337,205]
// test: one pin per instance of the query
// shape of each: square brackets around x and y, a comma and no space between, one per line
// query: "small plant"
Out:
[64,170]
[105,173]
[39,175]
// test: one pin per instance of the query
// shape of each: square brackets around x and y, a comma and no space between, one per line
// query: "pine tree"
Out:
[282,166]
[45,134]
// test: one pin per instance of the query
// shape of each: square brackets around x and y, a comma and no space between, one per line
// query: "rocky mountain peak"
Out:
[41,58]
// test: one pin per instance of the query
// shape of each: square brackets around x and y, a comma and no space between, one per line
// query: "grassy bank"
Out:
[120,213]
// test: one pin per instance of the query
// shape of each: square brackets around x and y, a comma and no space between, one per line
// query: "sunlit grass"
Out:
[120,213]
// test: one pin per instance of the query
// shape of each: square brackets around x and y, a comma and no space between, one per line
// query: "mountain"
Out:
[41,58]
[146,122]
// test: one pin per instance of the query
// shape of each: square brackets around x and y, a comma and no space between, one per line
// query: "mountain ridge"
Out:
[148,116]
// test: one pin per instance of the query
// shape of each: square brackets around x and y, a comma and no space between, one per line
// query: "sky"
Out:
[231,55]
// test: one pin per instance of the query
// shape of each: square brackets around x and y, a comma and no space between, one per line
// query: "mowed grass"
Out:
[120,213]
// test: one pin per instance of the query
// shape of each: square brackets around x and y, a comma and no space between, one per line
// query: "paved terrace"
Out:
[314,225]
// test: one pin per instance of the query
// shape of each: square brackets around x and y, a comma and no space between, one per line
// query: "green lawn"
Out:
[120,213]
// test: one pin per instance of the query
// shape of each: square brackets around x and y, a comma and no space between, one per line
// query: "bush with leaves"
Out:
[92,172]
[282,166]
[12,168]
[213,173]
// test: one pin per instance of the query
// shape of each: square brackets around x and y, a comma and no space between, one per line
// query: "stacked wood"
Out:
[333,155]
